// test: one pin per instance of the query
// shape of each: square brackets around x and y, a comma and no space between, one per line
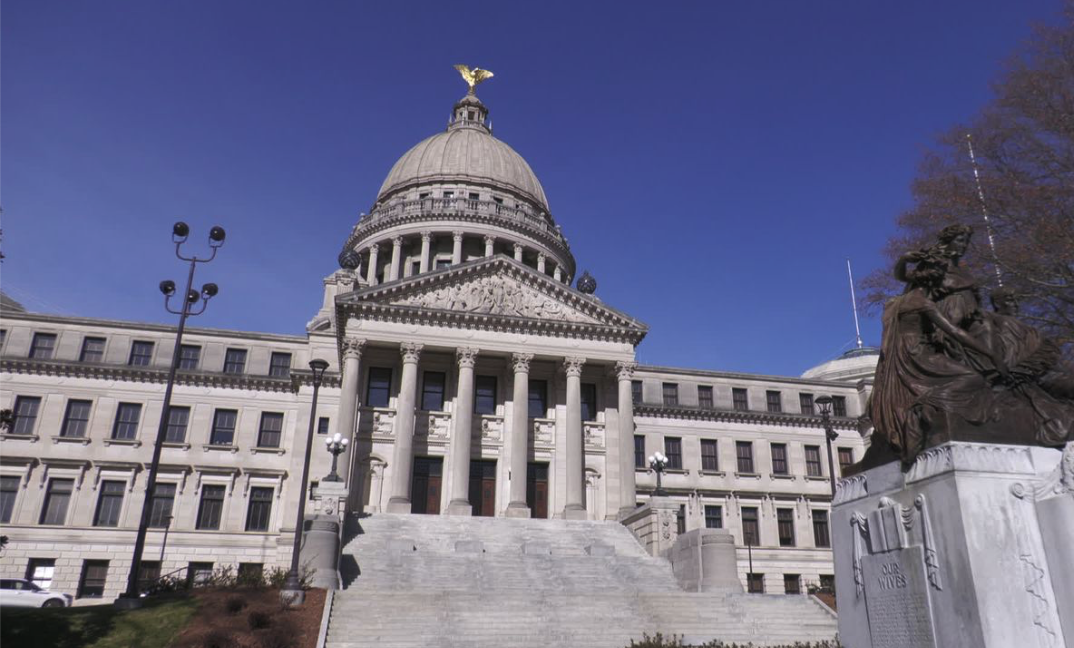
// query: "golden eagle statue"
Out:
[473,77]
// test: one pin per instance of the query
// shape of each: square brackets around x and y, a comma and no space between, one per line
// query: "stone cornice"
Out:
[161,328]
[785,419]
[839,388]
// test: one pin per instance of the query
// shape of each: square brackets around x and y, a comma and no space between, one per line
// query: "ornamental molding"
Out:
[850,489]
[625,370]
[351,348]
[970,457]
[411,351]
[1059,482]
[466,356]
[784,419]
[572,365]
[520,362]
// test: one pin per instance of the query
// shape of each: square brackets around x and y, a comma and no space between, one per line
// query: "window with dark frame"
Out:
[820,530]
[846,459]
[589,401]
[25,415]
[9,492]
[160,509]
[270,431]
[713,517]
[223,432]
[378,390]
[755,583]
[805,403]
[671,394]
[93,579]
[744,455]
[792,584]
[779,458]
[76,419]
[235,361]
[57,499]
[178,419]
[42,346]
[3,337]
[709,459]
[92,350]
[537,399]
[433,386]
[125,427]
[109,504]
[785,524]
[812,461]
[199,573]
[751,534]
[322,425]
[485,395]
[259,510]
[141,353]
[839,405]
[211,506]
[827,582]
[639,451]
[774,400]
[680,519]
[636,391]
[673,452]
[189,356]
[280,364]
[740,400]
[704,396]
[40,572]
[148,574]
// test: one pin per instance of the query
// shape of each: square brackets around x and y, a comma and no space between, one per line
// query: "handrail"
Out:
[534,218]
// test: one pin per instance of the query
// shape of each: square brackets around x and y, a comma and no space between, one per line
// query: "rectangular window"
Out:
[785,522]
[76,419]
[713,517]
[740,399]
[709,459]
[846,459]
[755,583]
[42,346]
[820,529]
[442,263]
[9,491]
[40,571]
[792,584]
[189,356]
[223,432]
[636,391]
[537,406]
[126,425]
[744,454]
[673,451]
[589,402]
[485,395]
[639,451]
[178,419]
[141,353]
[751,534]
[260,509]
[57,500]
[779,458]
[199,573]
[432,391]
[671,394]
[25,415]
[160,510]
[212,505]
[322,425]
[235,361]
[827,583]
[680,519]
[109,504]
[774,400]
[92,350]
[94,576]
[148,574]
[704,396]
[839,405]
[3,337]
[805,403]
[268,435]
[378,391]
[251,574]
[280,365]
[812,461]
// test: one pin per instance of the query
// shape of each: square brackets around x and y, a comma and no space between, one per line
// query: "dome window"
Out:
[475,196]
[497,200]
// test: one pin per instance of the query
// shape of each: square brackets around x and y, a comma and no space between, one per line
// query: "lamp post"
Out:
[190,297]
[291,593]
[164,543]
[336,445]
[825,404]
[658,463]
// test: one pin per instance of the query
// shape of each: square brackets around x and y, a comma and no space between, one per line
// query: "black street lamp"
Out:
[336,445]
[167,525]
[180,232]
[825,405]
[291,594]
[658,463]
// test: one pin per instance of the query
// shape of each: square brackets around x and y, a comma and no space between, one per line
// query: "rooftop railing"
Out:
[522,214]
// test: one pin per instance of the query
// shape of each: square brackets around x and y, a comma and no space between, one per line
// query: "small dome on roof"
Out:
[852,366]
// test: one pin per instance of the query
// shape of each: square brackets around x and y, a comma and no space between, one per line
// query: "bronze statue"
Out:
[951,371]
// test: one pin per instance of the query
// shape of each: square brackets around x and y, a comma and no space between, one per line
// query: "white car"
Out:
[23,593]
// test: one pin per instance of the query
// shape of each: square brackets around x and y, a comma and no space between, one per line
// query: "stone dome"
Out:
[852,366]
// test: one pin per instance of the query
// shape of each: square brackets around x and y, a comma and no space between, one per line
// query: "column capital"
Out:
[397,240]
[625,370]
[352,347]
[426,236]
[456,236]
[466,356]
[521,362]
[489,240]
[541,256]
[411,352]
[373,247]
[518,246]
[573,365]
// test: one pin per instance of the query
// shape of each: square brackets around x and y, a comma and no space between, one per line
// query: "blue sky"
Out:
[712,163]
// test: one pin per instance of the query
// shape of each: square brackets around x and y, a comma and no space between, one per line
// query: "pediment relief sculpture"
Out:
[496,295]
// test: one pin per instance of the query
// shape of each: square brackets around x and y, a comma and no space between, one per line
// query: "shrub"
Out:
[284,634]
[657,641]
[234,604]
[218,639]
[675,641]
[277,575]
[258,620]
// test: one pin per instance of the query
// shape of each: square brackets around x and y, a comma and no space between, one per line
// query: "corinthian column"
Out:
[624,372]
[397,257]
[518,461]
[426,240]
[460,438]
[575,508]
[348,406]
[371,271]
[403,452]
[456,250]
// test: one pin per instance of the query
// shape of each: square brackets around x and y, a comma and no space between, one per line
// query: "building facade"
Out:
[472,377]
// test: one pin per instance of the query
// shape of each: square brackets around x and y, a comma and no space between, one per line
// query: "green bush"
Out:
[234,604]
[675,641]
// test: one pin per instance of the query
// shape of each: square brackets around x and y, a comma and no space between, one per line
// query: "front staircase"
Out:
[427,580]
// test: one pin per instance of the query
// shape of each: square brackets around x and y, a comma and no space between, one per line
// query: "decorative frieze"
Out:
[491,429]
[970,457]
[543,433]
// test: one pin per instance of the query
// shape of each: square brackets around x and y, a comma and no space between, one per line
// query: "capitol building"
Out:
[476,373]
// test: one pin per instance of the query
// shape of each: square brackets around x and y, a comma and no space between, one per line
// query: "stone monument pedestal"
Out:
[320,547]
[705,560]
[969,548]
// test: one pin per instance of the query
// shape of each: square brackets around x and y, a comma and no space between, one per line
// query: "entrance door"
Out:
[483,487]
[425,495]
[537,490]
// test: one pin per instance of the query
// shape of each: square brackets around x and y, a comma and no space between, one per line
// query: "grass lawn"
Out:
[101,626]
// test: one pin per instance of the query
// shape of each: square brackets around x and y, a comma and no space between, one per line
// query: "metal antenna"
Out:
[854,304]
[984,211]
